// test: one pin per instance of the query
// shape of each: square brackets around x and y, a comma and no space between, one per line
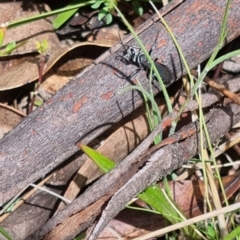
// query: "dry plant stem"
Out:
[233,143]
[40,71]
[199,166]
[218,70]
[209,99]
[13,109]
[165,2]
[216,199]
[191,221]
[235,98]
[204,176]
[162,162]
[208,178]
[25,197]
[227,145]
[51,192]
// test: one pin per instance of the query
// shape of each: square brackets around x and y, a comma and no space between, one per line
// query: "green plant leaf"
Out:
[107,4]
[102,14]
[97,4]
[105,9]
[10,47]
[104,163]
[5,234]
[38,103]
[64,16]
[11,207]
[155,197]
[2,34]
[13,46]
[81,236]
[211,232]
[48,14]
[108,18]
[43,46]
[232,235]
[137,8]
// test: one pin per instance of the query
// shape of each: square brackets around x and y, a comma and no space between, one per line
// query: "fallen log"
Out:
[122,187]
[91,102]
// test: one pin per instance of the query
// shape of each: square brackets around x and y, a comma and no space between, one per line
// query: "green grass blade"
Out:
[2,34]
[104,163]
[149,96]
[232,235]
[211,62]
[163,88]
[64,16]
[5,234]
[155,197]
[47,14]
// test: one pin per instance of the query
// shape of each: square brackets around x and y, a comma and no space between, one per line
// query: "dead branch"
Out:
[91,102]
[70,221]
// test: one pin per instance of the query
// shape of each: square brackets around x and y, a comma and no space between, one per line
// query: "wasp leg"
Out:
[130,76]
[135,72]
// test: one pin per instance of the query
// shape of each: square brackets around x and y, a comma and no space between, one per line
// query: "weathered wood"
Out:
[163,161]
[91,102]
[70,221]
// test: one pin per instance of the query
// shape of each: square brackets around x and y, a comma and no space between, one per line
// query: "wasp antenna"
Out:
[120,39]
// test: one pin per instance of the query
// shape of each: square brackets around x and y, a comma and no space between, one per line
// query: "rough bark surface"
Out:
[91,102]
[83,211]
[162,162]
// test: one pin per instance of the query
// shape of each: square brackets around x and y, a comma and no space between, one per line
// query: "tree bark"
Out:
[92,101]
[121,186]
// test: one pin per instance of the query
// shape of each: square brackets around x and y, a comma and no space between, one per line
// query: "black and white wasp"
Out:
[134,55]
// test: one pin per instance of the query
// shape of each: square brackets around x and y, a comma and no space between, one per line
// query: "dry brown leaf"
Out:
[9,118]
[109,34]
[28,71]
[32,32]
[131,224]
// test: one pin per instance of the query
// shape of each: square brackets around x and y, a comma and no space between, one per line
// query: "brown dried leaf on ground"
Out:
[28,71]
[71,62]
[17,69]
[9,118]
[32,32]
[188,195]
